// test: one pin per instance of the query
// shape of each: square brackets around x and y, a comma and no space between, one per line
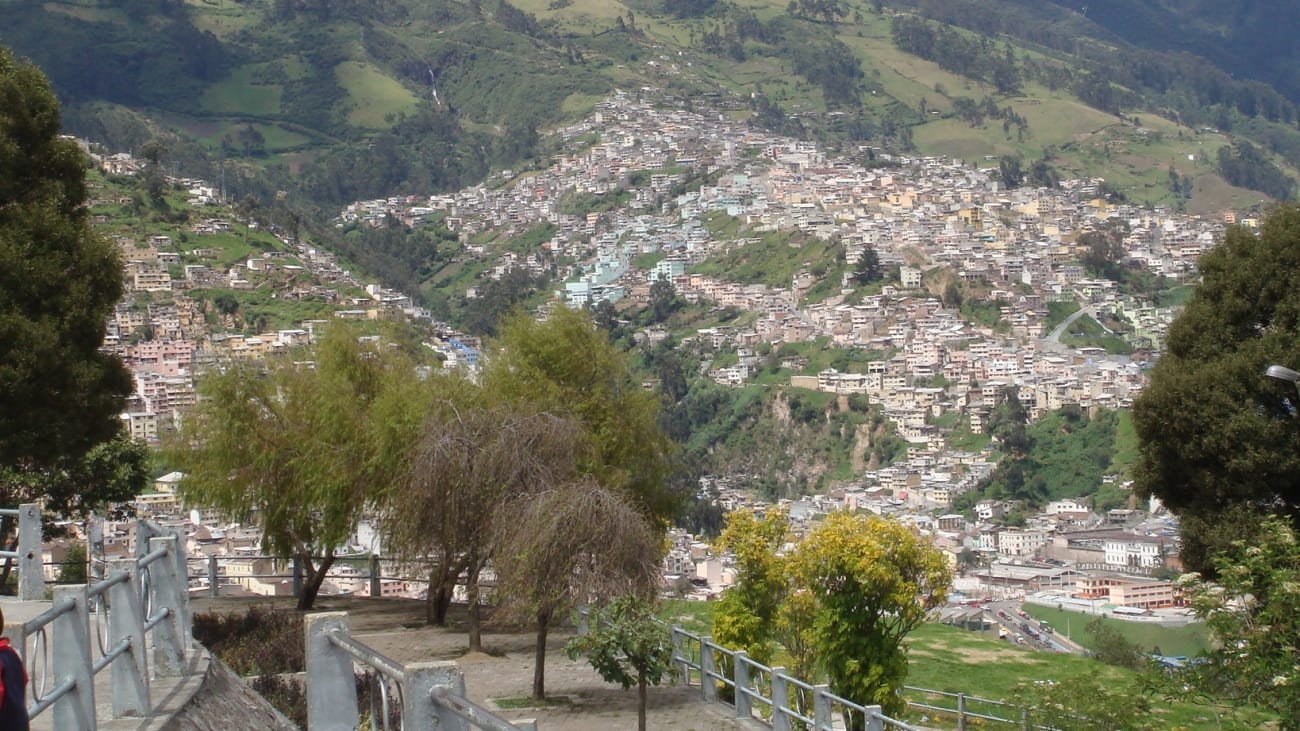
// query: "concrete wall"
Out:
[224,702]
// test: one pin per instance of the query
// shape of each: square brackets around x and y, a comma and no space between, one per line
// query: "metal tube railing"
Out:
[432,694]
[141,597]
[784,705]
[365,654]
[212,575]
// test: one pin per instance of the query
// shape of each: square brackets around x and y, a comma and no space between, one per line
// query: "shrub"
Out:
[262,641]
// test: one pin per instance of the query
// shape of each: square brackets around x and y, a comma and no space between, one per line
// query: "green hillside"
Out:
[333,101]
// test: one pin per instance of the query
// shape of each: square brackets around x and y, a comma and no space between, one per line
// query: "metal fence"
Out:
[784,703]
[142,604]
[962,708]
[430,695]
[210,575]
[31,576]
[767,694]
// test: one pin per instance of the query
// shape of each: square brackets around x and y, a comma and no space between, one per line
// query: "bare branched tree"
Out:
[577,542]
[472,458]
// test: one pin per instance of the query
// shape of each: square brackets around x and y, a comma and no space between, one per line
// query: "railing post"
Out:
[679,656]
[821,708]
[297,576]
[584,621]
[873,718]
[31,572]
[331,689]
[780,700]
[419,710]
[70,638]
[214,585]
[961,712]
[126,621]
[181,572]
[708,686]
[170,637]
[740,674]
[144,532]
[1024,719]
[376,587]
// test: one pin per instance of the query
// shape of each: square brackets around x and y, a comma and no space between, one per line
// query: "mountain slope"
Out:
[332,101]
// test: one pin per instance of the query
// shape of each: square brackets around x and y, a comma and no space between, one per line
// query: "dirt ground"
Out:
[396,628]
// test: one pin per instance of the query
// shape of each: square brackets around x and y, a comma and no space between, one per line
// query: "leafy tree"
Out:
[747,612]
[1103,248]
[1113,648]
[59,282]
[299,445]
[1253,612]
[577,542]
[663,300]
[569,367]
[628,646]
[1218,442]
[1011,171]
[873,581]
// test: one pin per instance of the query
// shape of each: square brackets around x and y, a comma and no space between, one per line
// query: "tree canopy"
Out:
[301,444]
[627,646]
[59,282]
[872,581]
[568,366]
[1219,443]
[840,603]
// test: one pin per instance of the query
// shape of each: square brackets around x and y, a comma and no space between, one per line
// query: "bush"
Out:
[262,641]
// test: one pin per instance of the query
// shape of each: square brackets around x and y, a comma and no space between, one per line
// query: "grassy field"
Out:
[239,93]
[373,95]
[1186,641]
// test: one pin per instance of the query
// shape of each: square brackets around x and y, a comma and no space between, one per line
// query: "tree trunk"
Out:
[474,623]
[442,585]
[539,662]
[640,702]
[311,583]
[436,607]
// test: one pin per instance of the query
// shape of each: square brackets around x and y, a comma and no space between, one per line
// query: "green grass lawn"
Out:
[694,617]
[1187,641]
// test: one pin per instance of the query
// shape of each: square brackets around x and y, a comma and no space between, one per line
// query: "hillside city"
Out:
[637,154]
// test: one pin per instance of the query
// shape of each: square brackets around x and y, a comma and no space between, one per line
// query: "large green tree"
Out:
[59,282]
[300,445]
[568,366]
[1219,443]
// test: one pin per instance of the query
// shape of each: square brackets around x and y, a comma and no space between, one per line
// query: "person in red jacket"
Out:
[13,686]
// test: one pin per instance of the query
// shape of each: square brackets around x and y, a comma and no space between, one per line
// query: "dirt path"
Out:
[396,628]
